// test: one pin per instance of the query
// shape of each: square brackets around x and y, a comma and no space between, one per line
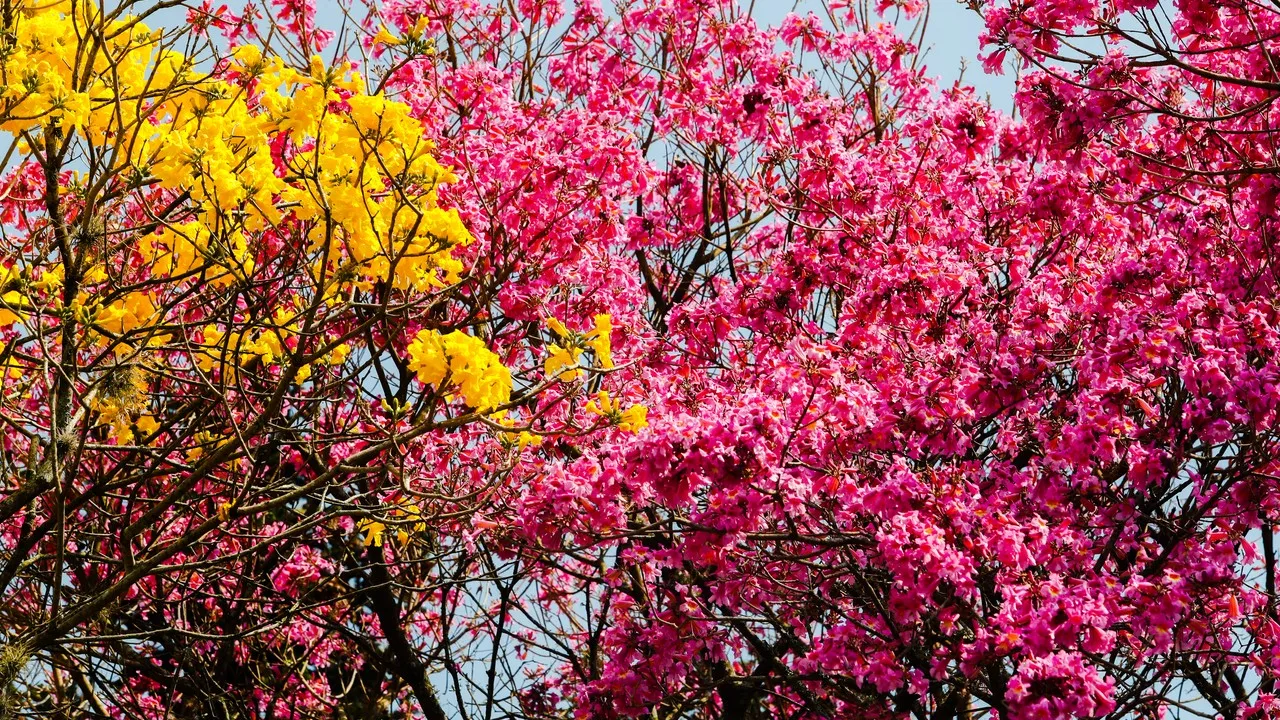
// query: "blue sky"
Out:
[952,39]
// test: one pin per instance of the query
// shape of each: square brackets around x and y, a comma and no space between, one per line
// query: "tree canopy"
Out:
[542,359]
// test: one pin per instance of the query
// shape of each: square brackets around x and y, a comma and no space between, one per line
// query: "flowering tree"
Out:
[539,360]
[234,307]
[1166,113]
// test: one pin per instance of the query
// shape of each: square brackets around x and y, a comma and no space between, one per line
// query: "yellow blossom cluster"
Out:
[459,360]
[513,438]
[563,360]
[405,517]
[264,343]
[363,175]
[119,398]
[192,175]
[134,310]
[357,174]
[367,169]
[633,419]
[45,84]
[12,302]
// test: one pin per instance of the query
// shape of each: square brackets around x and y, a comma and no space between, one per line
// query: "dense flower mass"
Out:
[548,359]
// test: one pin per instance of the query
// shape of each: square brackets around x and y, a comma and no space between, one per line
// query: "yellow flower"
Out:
[601,405]
[558,327]
[75,111]
[11,304]
[205,441]
[132,311]
[634,419]
[92,276]
[599,339]
[525,439]
[413,519]
[564,356]
[248,60]
[384,37]
[50,279]
[147,425]
[559,363]
[338,355]
[462,361]
[373,530]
